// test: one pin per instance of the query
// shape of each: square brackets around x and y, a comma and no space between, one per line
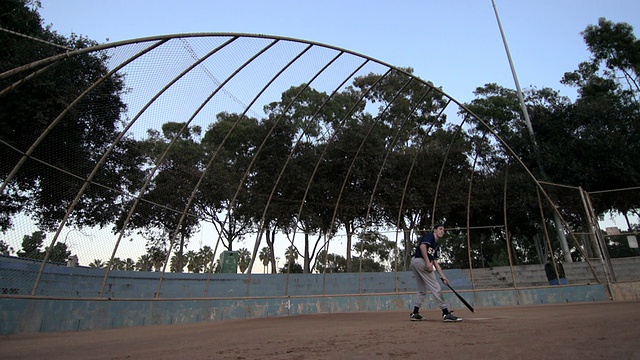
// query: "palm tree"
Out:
[244,258]
[291,254]
[158,258]
[97,263]
[194,264]
[265,257]
[177,262]
[144,263]
[116,264]
[129,264]
[206,257]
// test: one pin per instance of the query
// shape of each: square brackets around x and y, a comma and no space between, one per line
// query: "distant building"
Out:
[612,230]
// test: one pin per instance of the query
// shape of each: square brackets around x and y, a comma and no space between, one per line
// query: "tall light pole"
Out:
[525,114]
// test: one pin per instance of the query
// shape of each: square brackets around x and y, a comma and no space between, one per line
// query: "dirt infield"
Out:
[601,330]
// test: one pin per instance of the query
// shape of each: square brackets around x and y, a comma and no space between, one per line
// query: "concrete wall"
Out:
[32,315]
[17,277]
[67,300]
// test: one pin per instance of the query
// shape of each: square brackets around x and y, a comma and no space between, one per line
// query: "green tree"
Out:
[301,203]
[291,254]
[5,249]
[158,256]
[244,259]
[615,46]
[618,246]
[171,188]
[178,261]
[334,263]
[369,265]
[604,121]
[97,263]
[292,268]
[229,146]
[116,264]
[374,247]
[265,257]
[144,263]
[129,264]
[194,262]
[269,202]
[205,256]
[588,143]
[32,244]
[406,128]
[75,143]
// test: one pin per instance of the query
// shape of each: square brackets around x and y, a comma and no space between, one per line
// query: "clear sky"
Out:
[455,44]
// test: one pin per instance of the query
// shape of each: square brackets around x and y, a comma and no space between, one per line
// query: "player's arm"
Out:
[437,266]
[425,256]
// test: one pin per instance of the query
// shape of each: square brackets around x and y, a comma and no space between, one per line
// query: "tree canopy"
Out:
[55,169]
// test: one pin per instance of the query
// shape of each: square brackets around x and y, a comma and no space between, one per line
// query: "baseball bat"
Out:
[460,297]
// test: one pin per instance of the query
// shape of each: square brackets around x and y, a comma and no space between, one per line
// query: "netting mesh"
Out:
[330,145]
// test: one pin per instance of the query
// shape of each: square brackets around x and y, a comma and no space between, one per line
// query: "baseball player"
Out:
[423,263]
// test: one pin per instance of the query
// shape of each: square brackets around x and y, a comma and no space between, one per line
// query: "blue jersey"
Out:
[433,248]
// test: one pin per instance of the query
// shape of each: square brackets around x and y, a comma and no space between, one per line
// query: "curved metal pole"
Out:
[55,122]
[395,139]
[355,157]
[444,161]
[128,127]
[27,78]
[406,187]
[473,168]
[382,166]
[311,121]
[185,126]
[315,170]
[55,58]
[250,166]
[390,148]
[288,159]
[576,242]
[164,154]
[391,145]
[603,253]
[362,144]
[342,122]
[506,228]
[293,148]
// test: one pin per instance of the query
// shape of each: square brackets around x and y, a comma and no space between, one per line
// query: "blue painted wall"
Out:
[32,315]
[67,299]
[17,277]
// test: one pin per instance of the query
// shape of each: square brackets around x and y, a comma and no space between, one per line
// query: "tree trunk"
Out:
[347,227]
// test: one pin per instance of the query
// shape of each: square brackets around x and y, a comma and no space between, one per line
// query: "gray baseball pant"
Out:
[426,281]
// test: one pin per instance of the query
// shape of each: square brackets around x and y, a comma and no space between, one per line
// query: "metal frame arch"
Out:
[291,153]
[41,65]
[161,159]
[232,203]
[326,147]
